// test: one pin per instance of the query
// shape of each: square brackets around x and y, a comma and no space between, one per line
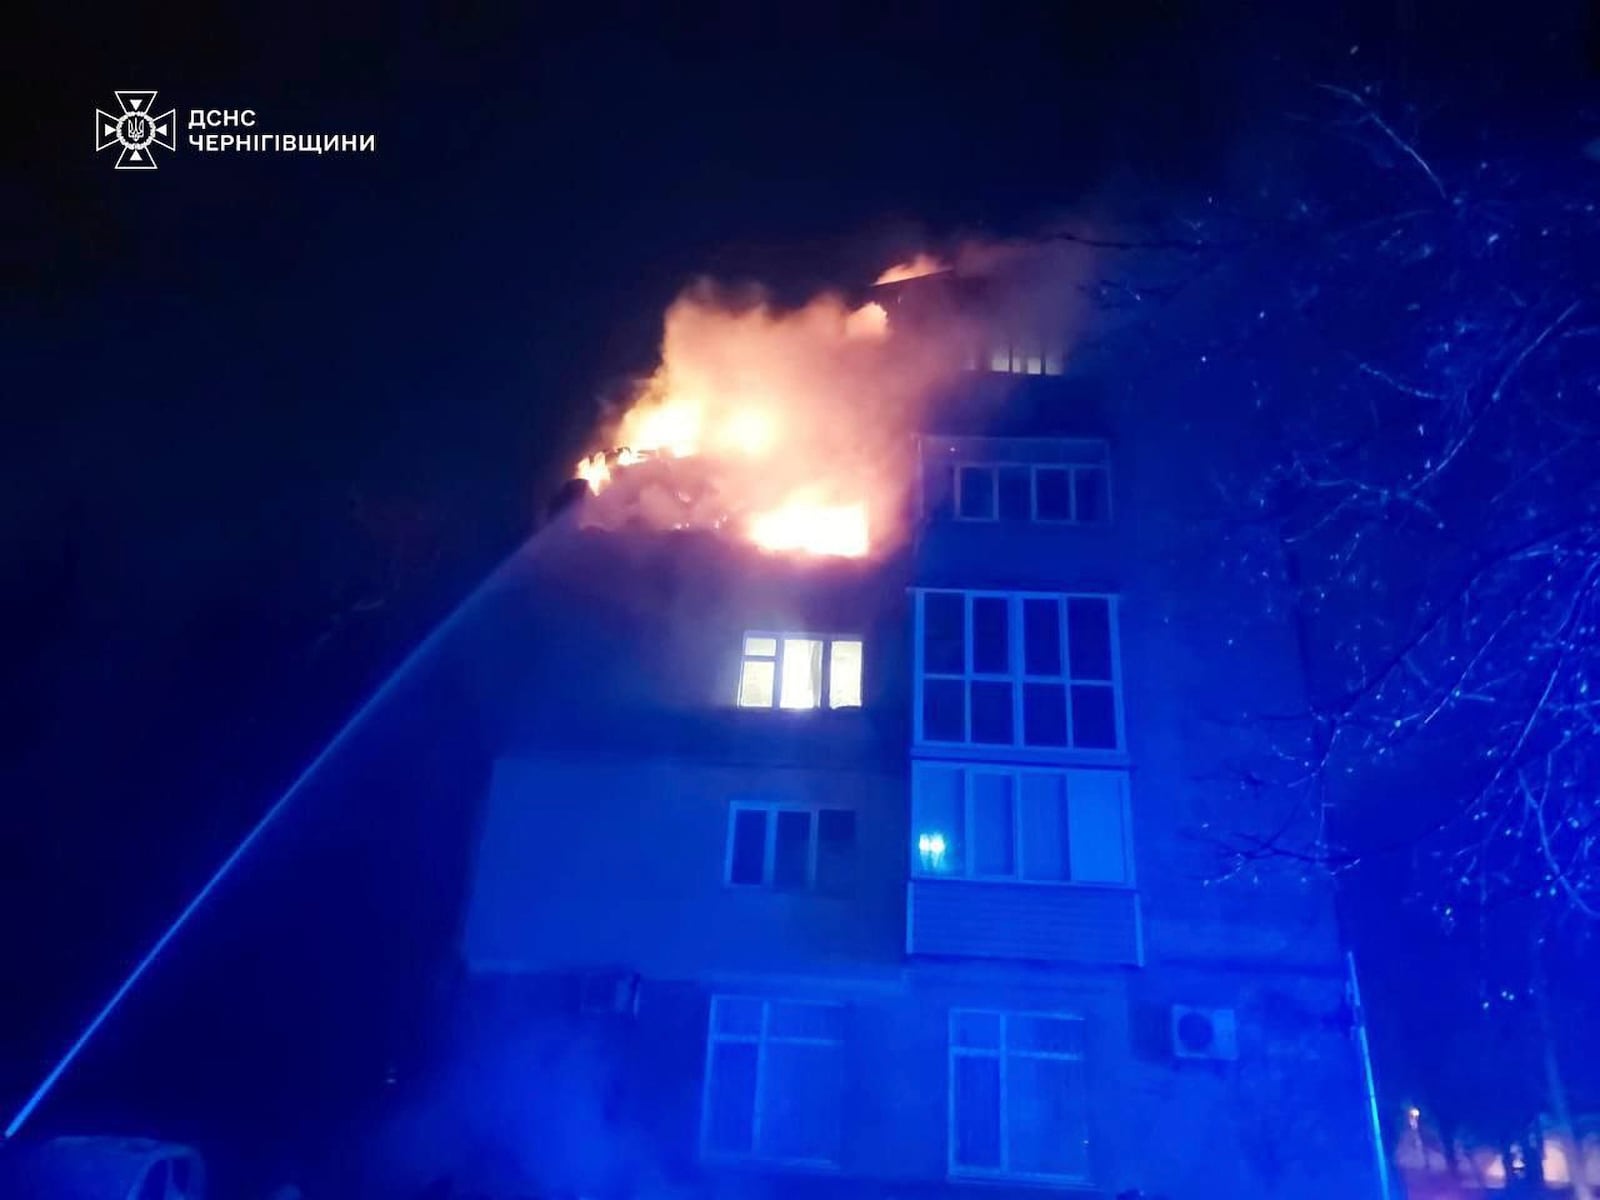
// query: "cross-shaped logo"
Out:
[137,130]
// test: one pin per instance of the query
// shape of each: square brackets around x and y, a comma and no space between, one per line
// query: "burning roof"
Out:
[788,428]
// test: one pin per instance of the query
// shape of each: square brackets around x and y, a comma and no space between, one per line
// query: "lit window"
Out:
[939,819]
[798,671]
[1029,824]
[759,672]
[1025,355]
[844,674]
[790,847]
[1018,1096]
[801,676]
[774,1081]
[1026,670]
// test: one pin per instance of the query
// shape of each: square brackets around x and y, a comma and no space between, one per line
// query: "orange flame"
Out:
[595,471]
[810,528]
[791,427]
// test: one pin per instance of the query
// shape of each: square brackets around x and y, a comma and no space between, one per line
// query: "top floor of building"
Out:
[1046,528]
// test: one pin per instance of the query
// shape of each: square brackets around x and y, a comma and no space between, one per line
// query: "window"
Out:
[790,847]
[1018,1096]
[1024,354]
[1052,481]
[799,671]
[1030,824]
[774,1080]
[1076,495]
[1027,670]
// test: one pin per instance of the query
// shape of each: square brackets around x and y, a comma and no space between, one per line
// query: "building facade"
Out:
[893,876]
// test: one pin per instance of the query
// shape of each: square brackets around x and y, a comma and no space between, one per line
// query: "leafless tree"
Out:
[1418,333]
[1425,360]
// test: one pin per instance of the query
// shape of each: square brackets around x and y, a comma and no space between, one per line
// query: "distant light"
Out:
[931,846]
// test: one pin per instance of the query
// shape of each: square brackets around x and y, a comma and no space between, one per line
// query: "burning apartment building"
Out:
[848,831]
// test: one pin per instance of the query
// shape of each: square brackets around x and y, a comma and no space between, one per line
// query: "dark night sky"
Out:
[446,306]
[201,361]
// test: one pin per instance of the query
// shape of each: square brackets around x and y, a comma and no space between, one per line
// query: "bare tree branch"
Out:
[1371,114]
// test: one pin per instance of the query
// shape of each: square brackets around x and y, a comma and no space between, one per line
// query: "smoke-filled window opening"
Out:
[800,671]
[1046,481]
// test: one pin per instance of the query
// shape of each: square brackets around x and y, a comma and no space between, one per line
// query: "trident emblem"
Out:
[137,130]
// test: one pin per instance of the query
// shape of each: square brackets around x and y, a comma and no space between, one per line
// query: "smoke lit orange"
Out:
[790,427]
[915,268]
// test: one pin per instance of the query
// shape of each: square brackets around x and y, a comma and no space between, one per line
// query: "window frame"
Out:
[1016,771]
[824,683]
[761,1039]
[993,455]
[769,851]
[1020,351]
[1018,676]
[993,469]
[1003,1052]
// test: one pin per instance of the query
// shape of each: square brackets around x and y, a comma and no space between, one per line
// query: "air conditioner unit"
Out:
[1204,1033]
[609,993]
